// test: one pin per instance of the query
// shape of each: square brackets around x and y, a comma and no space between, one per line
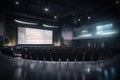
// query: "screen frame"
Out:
[36,44]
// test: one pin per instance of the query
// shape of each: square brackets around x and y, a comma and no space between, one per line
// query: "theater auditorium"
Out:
[59,39]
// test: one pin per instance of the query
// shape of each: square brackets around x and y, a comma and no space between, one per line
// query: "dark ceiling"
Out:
[67,11]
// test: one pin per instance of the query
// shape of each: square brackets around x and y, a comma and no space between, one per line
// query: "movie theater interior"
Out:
[59,39]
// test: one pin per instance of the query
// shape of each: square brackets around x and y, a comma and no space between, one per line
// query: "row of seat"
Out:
[62,53]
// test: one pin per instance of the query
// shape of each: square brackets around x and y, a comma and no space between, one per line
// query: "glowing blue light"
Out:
[99,28]
[104,27]
[105,33]
[105,30]
[113,72]
[106,75]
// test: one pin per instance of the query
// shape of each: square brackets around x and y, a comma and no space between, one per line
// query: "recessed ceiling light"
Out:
[117,2]
[55,17]
[89,17]
[79,20]
[46,6]
[17,2]
[46,9]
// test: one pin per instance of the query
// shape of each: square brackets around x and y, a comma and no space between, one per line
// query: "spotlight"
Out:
[55,17]
[89,17]
[117,2]
[46,9]
[46,6]
[79,20]
[17,2]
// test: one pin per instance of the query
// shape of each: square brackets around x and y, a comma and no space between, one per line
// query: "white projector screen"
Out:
[34,36]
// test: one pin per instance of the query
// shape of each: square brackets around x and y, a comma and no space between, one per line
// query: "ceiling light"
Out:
[46,9]
[16,2]
[86,35]
[45,25]
[23,22]
[79,20]
[89,17]
[55,17]
[46,6]
[117,2]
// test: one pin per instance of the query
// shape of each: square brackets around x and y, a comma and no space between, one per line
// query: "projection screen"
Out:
[34,36]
